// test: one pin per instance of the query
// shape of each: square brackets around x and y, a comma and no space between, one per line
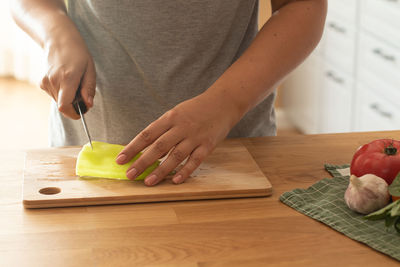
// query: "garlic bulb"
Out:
[367,193]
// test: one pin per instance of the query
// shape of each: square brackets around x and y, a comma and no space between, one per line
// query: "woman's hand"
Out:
[70,65]
[190,130]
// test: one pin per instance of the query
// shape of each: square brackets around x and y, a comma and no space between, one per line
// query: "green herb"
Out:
[395,211]
[389,220]
[390,213]
[394,187]
[397,224]
[380,214]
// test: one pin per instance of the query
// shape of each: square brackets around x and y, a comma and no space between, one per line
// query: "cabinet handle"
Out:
[392,1]
[332,76]
[379,52]
[337,28]
[377,108]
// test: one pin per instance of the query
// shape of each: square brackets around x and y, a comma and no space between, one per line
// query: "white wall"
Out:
[20,56]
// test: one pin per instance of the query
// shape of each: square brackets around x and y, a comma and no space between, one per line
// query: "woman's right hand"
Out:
[70,65]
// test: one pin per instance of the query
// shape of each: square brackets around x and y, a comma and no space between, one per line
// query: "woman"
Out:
[172,76]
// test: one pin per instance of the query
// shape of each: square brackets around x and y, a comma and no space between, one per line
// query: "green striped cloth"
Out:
[324,201]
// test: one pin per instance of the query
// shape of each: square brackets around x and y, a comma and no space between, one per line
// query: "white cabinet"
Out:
[379,57]
[339,45]
[381,18]
[375,113]
[344,9]
[336,100]
[355,83]
[301,96]
[378,67]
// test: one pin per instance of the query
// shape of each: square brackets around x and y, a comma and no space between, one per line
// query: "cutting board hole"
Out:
[49,190]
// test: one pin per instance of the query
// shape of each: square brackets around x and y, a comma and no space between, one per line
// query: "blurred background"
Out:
[349,83]
[24,107]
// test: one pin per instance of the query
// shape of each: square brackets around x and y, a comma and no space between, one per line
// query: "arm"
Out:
[69,61]
[285,40]
[193,128]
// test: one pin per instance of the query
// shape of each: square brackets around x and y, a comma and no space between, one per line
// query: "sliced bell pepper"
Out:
[100,162]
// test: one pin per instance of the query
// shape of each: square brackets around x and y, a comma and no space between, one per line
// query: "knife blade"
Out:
[80,108]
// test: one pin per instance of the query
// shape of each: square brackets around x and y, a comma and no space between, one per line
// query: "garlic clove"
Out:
[367,193]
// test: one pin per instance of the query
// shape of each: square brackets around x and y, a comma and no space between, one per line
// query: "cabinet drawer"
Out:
[378,85]
[380,58]
[340,44]
[301,94]
[382,18]
[375,113]
[344,9]
[336,101]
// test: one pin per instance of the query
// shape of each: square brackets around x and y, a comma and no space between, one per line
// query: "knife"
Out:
[80,108]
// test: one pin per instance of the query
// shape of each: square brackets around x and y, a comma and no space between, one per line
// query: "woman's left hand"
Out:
[190,130]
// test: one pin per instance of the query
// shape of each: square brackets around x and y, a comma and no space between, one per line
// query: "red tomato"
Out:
[380,157]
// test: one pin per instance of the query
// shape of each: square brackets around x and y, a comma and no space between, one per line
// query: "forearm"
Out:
[44,20]
[283,43]
[69,63]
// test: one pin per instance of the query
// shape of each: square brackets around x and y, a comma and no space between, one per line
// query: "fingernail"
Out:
[121,159]
[131,173]
[90,100]
[177,179]
[151,180]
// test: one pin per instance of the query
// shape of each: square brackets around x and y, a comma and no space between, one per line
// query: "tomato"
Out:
[380,157]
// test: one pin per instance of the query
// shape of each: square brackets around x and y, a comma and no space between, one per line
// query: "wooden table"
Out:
[233,232]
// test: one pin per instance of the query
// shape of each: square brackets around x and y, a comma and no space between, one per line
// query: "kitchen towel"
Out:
[324,201]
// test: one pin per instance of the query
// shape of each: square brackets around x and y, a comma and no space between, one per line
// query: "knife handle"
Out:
[79,101]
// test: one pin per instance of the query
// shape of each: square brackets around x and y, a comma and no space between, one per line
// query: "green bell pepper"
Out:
[100,162]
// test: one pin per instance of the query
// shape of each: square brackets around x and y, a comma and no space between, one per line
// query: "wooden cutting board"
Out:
[50,180]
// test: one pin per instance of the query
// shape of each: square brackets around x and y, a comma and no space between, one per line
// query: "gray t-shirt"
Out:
[151,55]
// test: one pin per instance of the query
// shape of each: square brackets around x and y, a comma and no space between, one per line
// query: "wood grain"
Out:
[228,232]
[50,180]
